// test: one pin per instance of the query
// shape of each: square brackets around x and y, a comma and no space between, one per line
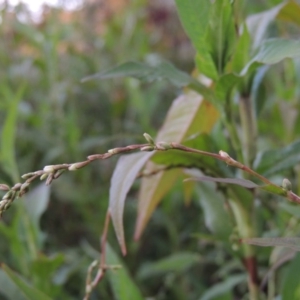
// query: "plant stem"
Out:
[249,129]
[245,227]
[229,122]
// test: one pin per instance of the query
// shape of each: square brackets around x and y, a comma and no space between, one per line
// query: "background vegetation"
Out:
[190,248]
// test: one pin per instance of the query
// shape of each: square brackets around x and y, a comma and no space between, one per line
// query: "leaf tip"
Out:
[137,233]
[124,250]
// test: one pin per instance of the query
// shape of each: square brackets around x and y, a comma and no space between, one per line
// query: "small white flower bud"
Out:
[44,176]
[148,138]
[24,186]
[286,184]
[224,154]
[49,169]
[4,187]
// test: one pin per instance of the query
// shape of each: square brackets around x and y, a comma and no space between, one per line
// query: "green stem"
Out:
[243,216]
[234,138]
[249,129]
[229,123]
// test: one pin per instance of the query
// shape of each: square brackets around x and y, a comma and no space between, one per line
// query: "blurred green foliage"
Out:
[48,116]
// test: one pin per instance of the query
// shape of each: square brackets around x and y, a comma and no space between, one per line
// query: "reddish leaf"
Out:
[188,115]
[123,177]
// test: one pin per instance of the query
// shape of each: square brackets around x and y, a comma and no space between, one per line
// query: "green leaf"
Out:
[221,33]
[215,217]
[29,292]
[242,182]
[273,51]
[240,55]
[123,177]
[271,188]
[206,65]
[16,234]
[122,285]
[149,73]
[258,24]
[271,162]
[290,287]
[189,114]
[258,89]
[195,16]
[142,71]
[225,84]
[289,242]
[34,205]
[290,13]
[293,209]
[275,189]
[7,148]
[178,262]
[43,269]
[9,289]
[224,287]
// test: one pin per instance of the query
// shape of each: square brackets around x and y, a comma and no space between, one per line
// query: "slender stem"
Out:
[249,129]
[104,239]
[54,171]
[229,123]
[223,156]
[90,285]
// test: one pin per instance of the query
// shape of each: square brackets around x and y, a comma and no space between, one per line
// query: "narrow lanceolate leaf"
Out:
[188,115]
[145,72]
[258,23]
[275,189]
[289,242]
[273,51]
[242,182]
[271,188]
[123,177]
[195,16]
[27,290]
[223,290]
[290,281]
[216,217]
[178,263]
[276,161]
[221,34]
[240,55]
[123,286]
[224,86]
